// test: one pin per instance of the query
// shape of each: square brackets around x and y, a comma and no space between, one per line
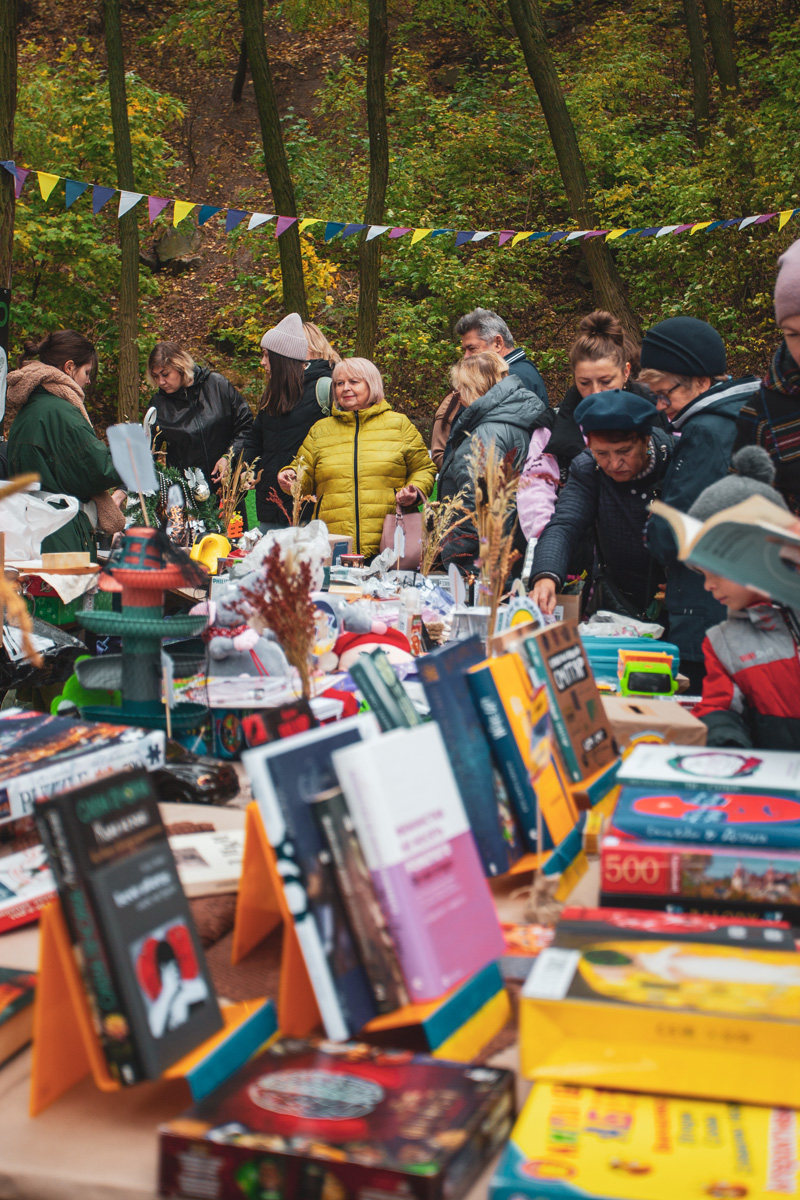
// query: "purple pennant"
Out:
[332,228]
[101,196]
[155,206]
[462,238]
[764,217]
[506,236]
[596,233]
[651,231]
[282,224]
[22,175]
[400,231]
[73,189]
[558,235]
[683,228]
[207,211]
[348,229]
[235,217]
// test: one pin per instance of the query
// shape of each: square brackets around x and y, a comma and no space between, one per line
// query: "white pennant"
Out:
[575,234]
[377,230]
[129,200]
[747,221]
[259,219]
[481,234]
[667,229]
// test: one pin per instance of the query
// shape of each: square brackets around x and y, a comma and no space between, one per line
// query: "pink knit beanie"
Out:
[287,338]
[787,285]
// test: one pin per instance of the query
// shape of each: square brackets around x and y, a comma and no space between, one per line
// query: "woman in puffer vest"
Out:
[361,460]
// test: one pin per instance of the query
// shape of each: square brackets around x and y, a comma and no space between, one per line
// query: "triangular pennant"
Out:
[436,232]
[259,219]
[613,234]
[155,206]
[731,222]
[46,183]
[576,233]
[9,165]
[716,225]
[352,228]
[128,200]
[665,229]
[596,233]
[633,231]
[419,234]
[764,218]
[684,228]
[22,174]
[536,237]
[520,237]
[466,235]
[400,231]
[481,234]
[282,224]
[181,210]
[332,228]
[101,196]
[73,188]
[235,217]
[557,236]
[784,216]
[207,211]
[651,231]
[376,231]
[308,221]
[747,221]
[698,226]
[505,236]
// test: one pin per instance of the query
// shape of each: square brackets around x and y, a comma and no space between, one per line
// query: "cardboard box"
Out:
[340,544]
[638,718]
[568,608]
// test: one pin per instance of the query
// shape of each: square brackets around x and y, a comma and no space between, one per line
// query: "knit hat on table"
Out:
[684,346]
[617,410]
[787,285]
[755,472]
[287,338]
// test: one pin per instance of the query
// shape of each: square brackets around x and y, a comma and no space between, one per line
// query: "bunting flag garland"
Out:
[234,217]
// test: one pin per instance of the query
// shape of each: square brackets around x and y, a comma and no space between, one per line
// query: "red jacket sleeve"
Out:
[720,693]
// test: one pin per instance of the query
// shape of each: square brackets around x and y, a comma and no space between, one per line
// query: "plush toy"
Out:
[394,643]
[234,648]
[354,619]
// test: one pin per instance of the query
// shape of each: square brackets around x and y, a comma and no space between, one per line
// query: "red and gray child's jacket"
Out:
[751,692]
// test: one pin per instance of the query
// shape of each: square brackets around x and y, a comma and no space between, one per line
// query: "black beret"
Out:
[684,346]
[615,409]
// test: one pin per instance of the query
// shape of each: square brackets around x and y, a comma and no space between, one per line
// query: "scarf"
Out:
[783,374]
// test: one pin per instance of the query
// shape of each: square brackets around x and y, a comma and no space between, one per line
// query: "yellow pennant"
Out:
[181,210]
[419,234]
[615,233]
[306,221]
[520,237]
[47,183]
[784,217]
[699,225]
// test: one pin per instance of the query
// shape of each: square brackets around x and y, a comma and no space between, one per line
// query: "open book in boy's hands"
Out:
[754,543]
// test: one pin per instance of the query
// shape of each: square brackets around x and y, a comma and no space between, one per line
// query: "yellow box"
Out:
[659,1015]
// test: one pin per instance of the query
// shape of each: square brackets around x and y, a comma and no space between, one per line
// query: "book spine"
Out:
[13,915]
[747,838]
[105,996]
[558,725]
[762,909]
[506,752]
[640,869]
[366,917]
[376,695]
[386,672]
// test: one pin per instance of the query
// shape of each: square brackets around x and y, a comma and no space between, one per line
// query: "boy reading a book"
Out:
[751,691]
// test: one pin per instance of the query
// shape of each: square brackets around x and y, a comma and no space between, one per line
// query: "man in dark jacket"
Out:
[606,496]
[684,362]
[481,330]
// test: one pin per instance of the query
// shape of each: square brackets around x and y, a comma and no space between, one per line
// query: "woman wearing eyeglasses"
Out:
[684,364]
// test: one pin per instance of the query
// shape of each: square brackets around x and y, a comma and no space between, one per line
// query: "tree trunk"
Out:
[8,105]
[369,255]
[697,55]
[606,284]
[128,313]
[240,77]
[280,179]
[719,33]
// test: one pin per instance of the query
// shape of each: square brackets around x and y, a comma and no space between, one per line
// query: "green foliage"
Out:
[208,30]
[66,263]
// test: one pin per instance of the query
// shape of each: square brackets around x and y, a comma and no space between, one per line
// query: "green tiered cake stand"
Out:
[142,576]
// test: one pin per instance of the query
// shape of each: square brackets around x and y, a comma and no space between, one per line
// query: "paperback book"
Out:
[17,990]
[768,772]
[717,816]
[135,942]
[308,1119]
[285,777]
[42,754]
[209,863]
[417,843]
[26,886]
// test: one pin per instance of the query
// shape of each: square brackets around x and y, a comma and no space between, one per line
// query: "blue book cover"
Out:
[443,673]
[286,776]
[712,816]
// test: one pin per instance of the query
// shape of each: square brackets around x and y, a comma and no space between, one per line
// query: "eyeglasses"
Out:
[663,397]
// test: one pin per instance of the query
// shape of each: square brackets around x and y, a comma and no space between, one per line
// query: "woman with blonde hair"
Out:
[200,414]
[499,410]
[362,459]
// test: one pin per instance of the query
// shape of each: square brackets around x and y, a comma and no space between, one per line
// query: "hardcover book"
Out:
[308,1119]
[383,691]
[285,777]
[513,713]
[139,954]
[417,843]
[581,730]
[769,772]
[209,863]
[26,885]
[585,1142]
[41,754]
[367,921]
[17,990]
[713,816]
[578,923]
[443,676]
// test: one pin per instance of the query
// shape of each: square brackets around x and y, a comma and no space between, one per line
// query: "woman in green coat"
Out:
[52,436]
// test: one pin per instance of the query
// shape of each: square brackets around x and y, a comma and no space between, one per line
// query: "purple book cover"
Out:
[420,850]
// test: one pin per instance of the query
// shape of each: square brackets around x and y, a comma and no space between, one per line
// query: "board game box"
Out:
[338,1121]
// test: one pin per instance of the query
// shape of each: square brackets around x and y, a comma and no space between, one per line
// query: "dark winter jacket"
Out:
[751,691]
[567,440]
[53,439]
[704,432]
[772,420]
[276,440]
[591,501]
[202,422]
[506,415]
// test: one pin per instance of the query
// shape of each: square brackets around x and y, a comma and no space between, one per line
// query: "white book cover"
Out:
[699,767]
[209,863]
[26,885]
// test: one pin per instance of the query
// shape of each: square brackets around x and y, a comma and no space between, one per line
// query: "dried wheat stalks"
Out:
[495,481]
[439,518]
[299,500]
[238,481]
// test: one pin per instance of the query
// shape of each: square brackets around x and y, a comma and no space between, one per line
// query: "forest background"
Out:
[468,148]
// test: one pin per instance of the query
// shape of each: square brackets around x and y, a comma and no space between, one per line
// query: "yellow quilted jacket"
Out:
[355,461]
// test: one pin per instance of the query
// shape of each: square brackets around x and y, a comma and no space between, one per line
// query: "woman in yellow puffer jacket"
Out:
[362,459]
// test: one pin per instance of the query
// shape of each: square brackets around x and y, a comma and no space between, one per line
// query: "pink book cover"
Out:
[418,845]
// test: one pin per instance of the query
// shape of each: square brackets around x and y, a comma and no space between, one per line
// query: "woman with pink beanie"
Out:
[772,417]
